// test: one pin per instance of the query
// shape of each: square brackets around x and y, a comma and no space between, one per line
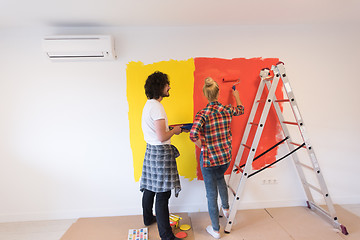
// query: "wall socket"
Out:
[269,181]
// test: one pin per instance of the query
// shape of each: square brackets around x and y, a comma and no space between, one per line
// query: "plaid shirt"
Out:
[160,172]
[212,126]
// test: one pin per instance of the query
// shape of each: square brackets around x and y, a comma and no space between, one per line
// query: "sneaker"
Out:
[211,231]
[226,212]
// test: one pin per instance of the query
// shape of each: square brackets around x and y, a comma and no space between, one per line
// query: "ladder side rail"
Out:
[291,147]
[235,202]
[232,180]
[247,131]
[248,165]
[290,94]
[263,118]
[303,133]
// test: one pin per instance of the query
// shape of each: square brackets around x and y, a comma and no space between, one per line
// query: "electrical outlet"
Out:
[269,181]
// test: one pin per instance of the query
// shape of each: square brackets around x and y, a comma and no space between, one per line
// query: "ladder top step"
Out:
[268,78]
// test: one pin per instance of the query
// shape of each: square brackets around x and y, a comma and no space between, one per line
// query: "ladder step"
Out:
[297,144]
[314,206]
[256,124]
[268,78]
[261,101]
[246,146]
[282,100]
[292,123]
[306,166]
[313,187]
[238,169]
[232,190]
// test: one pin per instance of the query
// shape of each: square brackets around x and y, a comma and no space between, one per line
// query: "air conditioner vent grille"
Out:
[99,47]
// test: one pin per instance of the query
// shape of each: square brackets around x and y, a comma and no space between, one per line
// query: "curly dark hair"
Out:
[155,84]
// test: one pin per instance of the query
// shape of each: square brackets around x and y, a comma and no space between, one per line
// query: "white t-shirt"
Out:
[153,110]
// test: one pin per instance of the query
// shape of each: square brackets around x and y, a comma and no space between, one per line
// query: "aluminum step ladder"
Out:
[239,174]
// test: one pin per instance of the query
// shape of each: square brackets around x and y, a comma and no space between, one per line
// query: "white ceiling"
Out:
[26,13]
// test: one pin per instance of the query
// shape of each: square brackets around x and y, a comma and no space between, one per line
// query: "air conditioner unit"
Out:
[79,47]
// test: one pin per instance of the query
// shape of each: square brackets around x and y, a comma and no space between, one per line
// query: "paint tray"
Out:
[187,126]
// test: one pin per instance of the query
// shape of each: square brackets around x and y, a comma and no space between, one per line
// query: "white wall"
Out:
[64,131]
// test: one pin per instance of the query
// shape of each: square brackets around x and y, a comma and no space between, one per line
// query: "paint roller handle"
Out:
[233,87]
[183,128]
[177,129]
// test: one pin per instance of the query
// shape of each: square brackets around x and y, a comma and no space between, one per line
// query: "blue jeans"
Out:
[215,182]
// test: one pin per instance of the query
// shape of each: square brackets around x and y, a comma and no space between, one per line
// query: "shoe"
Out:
[211,231]
[226,213]
[153,220]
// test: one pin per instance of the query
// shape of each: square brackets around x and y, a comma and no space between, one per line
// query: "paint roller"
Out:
[232,80]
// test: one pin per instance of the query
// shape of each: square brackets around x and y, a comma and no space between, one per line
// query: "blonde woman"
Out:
[211,132]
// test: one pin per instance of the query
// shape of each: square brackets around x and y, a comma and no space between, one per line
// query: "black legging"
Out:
[162,212]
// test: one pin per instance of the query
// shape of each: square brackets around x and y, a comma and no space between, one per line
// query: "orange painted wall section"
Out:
[247,70]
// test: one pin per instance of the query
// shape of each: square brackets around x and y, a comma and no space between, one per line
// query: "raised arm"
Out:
[237,97]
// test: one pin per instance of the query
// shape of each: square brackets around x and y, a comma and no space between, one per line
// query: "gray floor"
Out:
[54,229]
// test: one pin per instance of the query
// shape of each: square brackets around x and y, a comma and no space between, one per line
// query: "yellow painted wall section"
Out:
[178,107]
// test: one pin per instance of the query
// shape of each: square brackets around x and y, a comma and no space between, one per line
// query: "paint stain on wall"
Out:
[186,99]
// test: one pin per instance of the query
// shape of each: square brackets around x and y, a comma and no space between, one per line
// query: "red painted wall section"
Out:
[247,70]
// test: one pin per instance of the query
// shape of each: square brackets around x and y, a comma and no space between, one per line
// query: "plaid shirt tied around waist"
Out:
[212,127]
[159,173]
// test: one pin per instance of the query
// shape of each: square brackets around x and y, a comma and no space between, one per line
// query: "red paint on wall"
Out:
[247,70]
